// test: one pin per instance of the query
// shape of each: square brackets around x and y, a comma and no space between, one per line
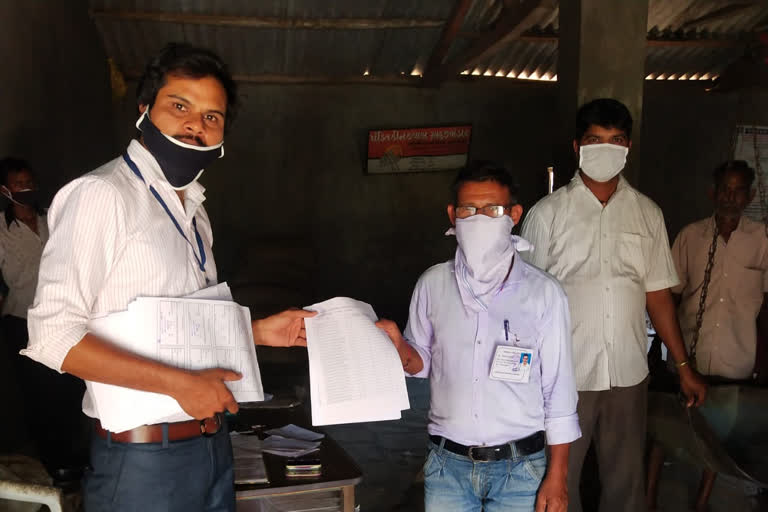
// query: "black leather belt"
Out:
[526,446]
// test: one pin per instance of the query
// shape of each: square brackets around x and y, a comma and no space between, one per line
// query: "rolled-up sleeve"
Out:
[536,231]
[419,331]
[680,259]
[661,268]
[86,222]
[561,422]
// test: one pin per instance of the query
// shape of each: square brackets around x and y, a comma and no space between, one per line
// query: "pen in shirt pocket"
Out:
[506,330]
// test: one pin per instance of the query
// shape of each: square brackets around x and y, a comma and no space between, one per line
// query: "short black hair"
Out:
[739,166]
[485,170]
[11,164]
[605,112]
[187,61]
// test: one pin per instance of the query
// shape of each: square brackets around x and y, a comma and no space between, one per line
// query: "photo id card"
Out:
[511,364]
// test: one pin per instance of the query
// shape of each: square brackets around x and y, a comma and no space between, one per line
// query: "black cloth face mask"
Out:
[28,197]
[182,164]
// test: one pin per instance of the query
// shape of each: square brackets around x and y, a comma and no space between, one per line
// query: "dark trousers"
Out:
[49,403]
[615,420]
[177,476]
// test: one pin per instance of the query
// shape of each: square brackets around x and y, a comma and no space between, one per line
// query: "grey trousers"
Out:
[615,420]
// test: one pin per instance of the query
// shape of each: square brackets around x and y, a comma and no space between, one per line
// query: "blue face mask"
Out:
[182,164]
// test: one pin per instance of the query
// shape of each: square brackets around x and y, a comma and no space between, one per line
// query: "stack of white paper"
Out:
[355,372]
[190,333]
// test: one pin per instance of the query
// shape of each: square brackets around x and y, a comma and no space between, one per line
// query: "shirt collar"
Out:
[577,182]
[709,226]
[153,174]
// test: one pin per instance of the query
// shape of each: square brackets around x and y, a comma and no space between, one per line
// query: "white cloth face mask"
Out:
[483,258]
[602,162]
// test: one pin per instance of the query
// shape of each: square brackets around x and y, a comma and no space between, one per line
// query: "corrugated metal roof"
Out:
[737,16]
[289,8]
[671,62]
[253,51]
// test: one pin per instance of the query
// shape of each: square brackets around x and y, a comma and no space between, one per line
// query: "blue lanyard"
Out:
[201,258]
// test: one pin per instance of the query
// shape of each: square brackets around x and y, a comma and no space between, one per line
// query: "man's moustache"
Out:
[189,139]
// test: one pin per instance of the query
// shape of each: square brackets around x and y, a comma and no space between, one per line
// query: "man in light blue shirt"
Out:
[493,335]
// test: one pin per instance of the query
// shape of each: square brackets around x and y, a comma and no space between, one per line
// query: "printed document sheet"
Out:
[355,372]
[189,333]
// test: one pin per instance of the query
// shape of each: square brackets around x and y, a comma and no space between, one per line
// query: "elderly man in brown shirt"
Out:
[739,277]
[736,292]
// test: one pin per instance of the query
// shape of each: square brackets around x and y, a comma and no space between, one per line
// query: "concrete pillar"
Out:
[601,54]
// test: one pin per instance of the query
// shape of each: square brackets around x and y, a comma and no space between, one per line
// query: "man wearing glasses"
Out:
[471,320]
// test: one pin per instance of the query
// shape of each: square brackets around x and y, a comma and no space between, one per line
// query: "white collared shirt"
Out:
[606,258]
[20,252]
[110,242]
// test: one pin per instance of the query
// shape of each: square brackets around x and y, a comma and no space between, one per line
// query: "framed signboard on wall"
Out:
[418,149]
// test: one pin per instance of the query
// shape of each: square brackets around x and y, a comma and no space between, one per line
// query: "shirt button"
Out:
[476,380]
[725,275]
[607,316]
[479,342]
[607,289]
[717,325]
[475,415]
[721,299]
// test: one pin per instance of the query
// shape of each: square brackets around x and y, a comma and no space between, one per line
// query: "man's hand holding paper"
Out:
[285,329]
[204,392]
[355,372]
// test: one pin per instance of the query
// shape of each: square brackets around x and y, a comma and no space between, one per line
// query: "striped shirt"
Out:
[110,242]
[20,252]
[606,258]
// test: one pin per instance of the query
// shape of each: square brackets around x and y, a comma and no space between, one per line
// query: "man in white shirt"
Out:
[136,227]
[23,233]
[607,244]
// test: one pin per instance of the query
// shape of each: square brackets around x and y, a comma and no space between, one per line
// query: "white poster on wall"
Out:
[752,141]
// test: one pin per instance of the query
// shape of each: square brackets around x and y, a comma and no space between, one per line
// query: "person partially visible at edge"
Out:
[738,286]
[23,233]
[607,245]
[136,226]
[734,316]
[472,319]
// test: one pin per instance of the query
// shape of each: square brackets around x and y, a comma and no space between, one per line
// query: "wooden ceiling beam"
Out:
[691,43]
[267,21]
[510,25]
[450,31]
[299,79]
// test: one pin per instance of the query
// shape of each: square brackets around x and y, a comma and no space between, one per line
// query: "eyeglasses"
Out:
[495,211]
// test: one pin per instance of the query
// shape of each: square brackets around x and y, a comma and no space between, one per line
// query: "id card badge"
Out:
[511,364]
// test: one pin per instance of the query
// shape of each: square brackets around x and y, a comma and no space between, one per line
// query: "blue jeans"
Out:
[194,474]
[455,483]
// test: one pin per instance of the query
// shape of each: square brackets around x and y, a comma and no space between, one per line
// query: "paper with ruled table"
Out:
[355,372]
[189,333]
